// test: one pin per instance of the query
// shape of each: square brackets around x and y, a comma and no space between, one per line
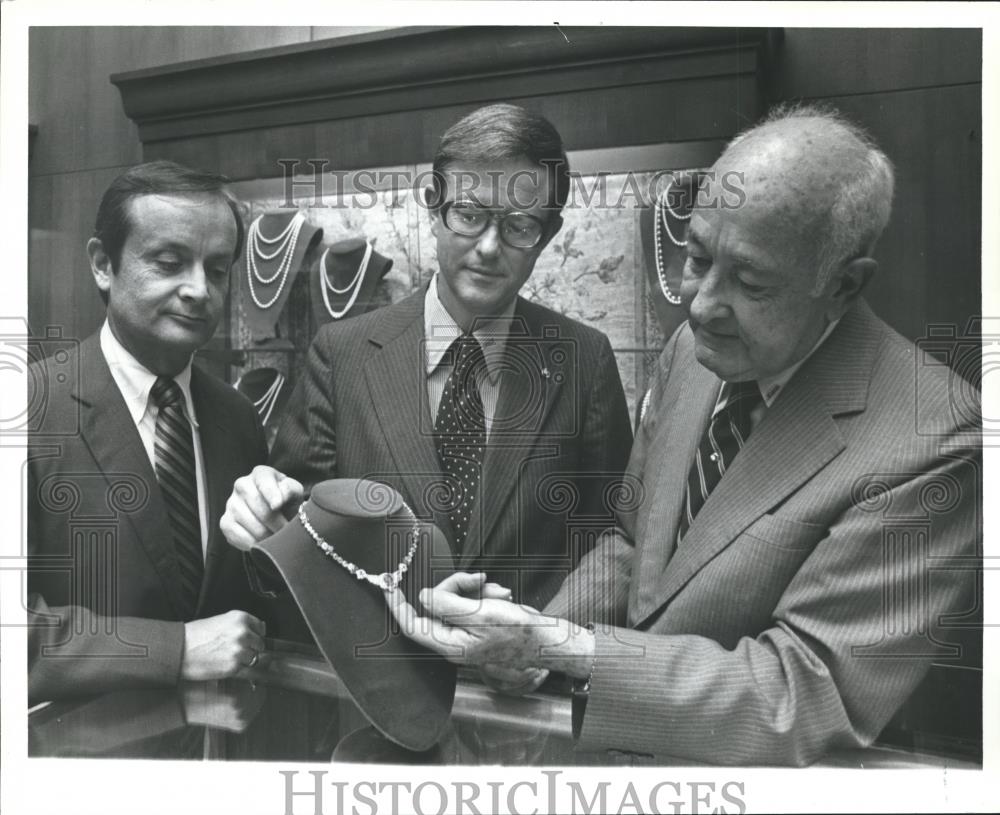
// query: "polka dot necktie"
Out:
[724,437]
[460,432]
[174,457]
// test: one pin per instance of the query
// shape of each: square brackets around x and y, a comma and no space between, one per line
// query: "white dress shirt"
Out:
[771,386]
[440,330]
[135,382]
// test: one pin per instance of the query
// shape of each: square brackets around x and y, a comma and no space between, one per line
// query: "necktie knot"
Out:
[166,392]
[739,399]
[467,354]
[740,391]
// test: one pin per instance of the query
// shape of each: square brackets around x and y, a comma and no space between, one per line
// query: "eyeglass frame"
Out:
[497,215]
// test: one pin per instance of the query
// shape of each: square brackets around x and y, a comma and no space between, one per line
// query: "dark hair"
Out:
[498,132]
[155,178]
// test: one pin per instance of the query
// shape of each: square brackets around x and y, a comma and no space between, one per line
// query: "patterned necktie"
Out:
[724,437]
[174,455]
[460,432]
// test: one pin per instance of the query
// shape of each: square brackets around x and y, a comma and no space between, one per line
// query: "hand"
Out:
[479,630]
[466,584]
[253,511]
[220,646]
[230,706]
[512,681]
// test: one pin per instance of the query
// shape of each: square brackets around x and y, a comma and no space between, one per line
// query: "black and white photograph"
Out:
[499,407]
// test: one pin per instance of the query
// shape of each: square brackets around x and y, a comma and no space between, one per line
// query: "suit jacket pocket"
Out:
[786,533]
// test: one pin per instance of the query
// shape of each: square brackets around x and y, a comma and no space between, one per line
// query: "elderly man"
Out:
[484,410]
[130,582]
[764,602]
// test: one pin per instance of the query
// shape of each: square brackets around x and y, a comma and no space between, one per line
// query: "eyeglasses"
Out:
[518,230]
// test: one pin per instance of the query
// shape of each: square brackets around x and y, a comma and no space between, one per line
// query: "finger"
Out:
[248,513]
[424,631]
[254,624]
[450,607]
[259,507]
[290,488]
[267,482]
[495,591]
[235,535]
[468,583]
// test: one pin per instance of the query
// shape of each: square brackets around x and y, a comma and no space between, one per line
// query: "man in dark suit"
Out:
[130,582]
[499,418]
[812,491]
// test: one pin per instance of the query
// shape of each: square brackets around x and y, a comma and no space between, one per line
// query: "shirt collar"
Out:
[771,386]
[440,330]
[135,380]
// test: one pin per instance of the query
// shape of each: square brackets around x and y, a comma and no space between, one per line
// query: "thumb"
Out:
[290,488]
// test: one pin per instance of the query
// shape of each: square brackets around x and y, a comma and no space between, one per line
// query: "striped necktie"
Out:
[460,432]
[724,437]
[174,457]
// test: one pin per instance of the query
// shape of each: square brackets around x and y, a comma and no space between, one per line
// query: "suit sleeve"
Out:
[831,669]
[73,652]
[306,444]
[605,439]
[597,590]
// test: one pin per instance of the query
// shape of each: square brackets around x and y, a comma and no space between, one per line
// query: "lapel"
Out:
[690,393]
[217,447]
[107,429]
[535,366]
[397,384]
[796,438]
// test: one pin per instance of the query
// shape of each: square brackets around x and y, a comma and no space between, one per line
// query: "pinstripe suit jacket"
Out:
[801,608]
[360,410]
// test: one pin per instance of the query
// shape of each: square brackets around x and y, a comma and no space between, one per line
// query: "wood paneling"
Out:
[710,108]
[81,124]
[83,140]
[61,289]
[930,268]
[389,72]
[821,62]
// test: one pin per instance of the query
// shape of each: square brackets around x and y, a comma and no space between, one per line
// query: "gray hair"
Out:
[862,204]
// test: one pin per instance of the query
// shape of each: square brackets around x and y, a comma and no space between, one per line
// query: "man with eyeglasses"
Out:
[500,419]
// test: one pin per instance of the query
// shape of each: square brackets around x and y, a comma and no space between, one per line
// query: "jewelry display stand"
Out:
[352,542]
[269,390]
[662,232]
[343,280]
[277,245]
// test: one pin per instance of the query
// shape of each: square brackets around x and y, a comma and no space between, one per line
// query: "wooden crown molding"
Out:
[416,69]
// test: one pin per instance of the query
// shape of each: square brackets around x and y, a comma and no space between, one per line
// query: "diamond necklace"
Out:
[387,581]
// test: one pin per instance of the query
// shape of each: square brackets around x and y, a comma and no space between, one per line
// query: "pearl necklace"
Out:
[286,242]
[660,209]
[265,405]
[354,286]
[387,581]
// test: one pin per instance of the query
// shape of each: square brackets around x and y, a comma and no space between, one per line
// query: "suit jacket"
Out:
[802,606]
[105,603]
[361,410]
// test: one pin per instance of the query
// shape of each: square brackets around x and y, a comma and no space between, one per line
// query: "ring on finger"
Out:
[253,659]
